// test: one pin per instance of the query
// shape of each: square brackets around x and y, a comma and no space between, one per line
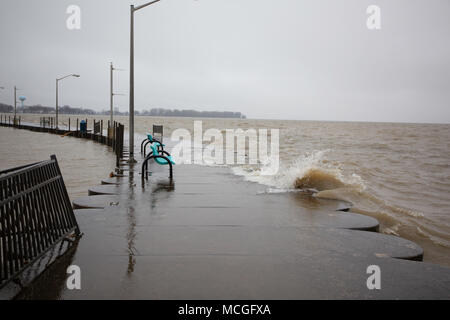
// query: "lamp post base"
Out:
[131,160]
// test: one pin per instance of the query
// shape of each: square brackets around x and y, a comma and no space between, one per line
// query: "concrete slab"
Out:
[255,277]
[105,190]
[101,229]
[96,202]
[160,216]
[114,180]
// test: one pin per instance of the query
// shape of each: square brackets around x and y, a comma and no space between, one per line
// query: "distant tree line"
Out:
[4,108]
[160,112]
[38,109]
[155,112]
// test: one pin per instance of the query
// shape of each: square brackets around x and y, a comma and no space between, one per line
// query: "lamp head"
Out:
[76,75]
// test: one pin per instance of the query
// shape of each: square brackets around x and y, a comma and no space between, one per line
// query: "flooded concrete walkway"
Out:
[210,235]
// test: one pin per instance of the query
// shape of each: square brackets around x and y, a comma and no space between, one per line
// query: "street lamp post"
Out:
[131,111]
[57,81]
[112,93]
[15,104]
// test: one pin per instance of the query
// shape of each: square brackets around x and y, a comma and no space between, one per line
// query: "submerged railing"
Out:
[35,215]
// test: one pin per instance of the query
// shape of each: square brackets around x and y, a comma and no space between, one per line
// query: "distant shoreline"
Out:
[245,118]
[154,112]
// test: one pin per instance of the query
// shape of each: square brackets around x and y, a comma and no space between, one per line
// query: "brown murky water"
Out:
[397,173]
[83,163]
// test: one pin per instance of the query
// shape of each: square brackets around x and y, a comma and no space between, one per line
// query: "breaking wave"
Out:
[310,172]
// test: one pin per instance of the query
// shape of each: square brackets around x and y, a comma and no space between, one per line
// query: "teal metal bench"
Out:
[160,156]
[150,140]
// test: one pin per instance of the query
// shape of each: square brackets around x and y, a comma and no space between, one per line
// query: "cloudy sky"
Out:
[284,59]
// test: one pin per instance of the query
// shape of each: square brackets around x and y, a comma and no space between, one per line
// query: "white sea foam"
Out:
[308,172]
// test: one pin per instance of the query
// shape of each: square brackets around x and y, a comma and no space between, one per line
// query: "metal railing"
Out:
[35,215]
[118,139]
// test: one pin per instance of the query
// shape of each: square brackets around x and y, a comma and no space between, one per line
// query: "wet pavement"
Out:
[208,234]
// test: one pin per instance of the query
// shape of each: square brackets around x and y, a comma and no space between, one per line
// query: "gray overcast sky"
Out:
[284,59]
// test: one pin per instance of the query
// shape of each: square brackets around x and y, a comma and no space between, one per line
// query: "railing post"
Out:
[69,123]
[122,129]
[118,140]
[114,137]
[107,135]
